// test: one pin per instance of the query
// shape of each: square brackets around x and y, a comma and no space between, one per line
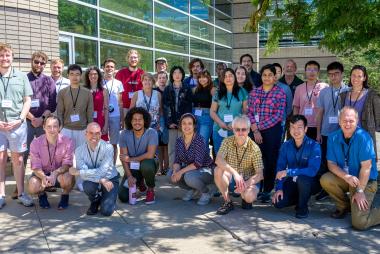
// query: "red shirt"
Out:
[131,83]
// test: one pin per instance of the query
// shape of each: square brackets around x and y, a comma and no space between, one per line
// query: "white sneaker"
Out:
[25,200]
[191,194]
[204,199]
[2,202]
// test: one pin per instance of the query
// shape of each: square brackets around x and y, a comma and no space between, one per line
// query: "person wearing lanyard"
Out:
[266,106]
[56,67]
[229,101]
[352,163]
[297,166]
[239,166]
[15,99]
[306,96]
[94,164]
[138,145]
[51,157]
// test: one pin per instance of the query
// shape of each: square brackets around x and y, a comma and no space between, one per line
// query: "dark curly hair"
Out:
[137,110]
[87,82]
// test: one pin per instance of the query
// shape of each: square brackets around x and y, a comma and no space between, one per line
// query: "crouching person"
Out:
[297,166]
[239,166]
[94,164]
[51,157]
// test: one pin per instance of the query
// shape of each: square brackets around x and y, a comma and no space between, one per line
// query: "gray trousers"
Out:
[197,179]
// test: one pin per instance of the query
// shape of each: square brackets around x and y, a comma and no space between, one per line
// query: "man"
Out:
[351,160]
[15,92]
[219,68]
[246,60]
[56,67]
[44,98]
[131,78]
[297,166]
[195,66]
[239,166]
[161,64]
[51,157]
[94,164]
[138,145]
[115,116]
[290,78]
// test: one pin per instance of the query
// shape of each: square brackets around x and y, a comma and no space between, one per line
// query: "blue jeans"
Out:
[217,139]
[204,125]
[96,192]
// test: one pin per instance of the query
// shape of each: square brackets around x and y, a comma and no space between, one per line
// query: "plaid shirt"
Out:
[269,106]
[246,160]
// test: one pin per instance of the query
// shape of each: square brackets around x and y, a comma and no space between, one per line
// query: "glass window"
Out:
[89,1]
[175,60]
[76,18]
[170,18]
[171,41]
[142,9]
[202,11]
[201,29]
[222,53]
[119,53]
[86,52]
[223,21]
[224,6]
[209,65]
[183,5]
[223,37]
[201,48]
[124,30]
[64,52]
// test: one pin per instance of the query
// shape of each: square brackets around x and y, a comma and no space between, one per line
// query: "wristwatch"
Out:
[359,190]
[21,119]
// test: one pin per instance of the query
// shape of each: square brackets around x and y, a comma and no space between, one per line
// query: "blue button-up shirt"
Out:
[359,149]
[305,160]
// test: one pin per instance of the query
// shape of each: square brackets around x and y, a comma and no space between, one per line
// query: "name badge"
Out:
[333,119]
[35,103]
[6,104]
[95,115]
[223,133]
[198,112]
[126,184]
[346,168]
[74,118]
[130,95]
[308,111]
[257,118]
[295,178]
[135,165]
[228,118]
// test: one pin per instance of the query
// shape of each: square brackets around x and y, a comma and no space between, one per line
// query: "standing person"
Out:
[16,92]
[352,163]
[93,81]
[56,67]
[177,100]
[365,100]
[202,99]
[131,78]
[44,98]
[228,102]
[290,78]
[193,166]
[195,66]
[138,145]
[246,60]
[265,110]
[243,78]
[115,106]
[94,164]
[219,69]
[306,97]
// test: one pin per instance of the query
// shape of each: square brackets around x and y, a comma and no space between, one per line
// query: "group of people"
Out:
[268,131]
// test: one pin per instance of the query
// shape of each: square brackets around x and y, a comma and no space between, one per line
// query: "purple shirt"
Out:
[44,91]
[198,153]
[61,154]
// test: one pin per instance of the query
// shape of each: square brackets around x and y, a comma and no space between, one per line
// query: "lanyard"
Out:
[109,91]
[134,142]
[229,104]
[52,158]
[346,154]
[307,92]
[335,100]
[96,158]
[6,86]
[357,98]
[242,157]
[60,84]
[146,102]
[72,97]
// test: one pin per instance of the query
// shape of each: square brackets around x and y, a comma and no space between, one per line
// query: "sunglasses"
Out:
[240,129]
[38,62]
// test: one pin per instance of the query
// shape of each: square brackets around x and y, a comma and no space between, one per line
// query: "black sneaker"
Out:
[265,197]
[43,201]
[321,195]
[93,209]
[302,215]
[64,202]
[226,207]
[245,205]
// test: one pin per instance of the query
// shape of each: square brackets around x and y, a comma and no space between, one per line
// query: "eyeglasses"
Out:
[240,129]
[36,62]
[334,74]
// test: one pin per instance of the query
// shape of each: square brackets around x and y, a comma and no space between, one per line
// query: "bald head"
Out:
[93,134]
[93,125]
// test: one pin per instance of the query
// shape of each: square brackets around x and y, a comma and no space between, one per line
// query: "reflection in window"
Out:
[171,41]
[202,11]
[222,53]
[223,21]
[201,29]
[142,9]
[224,6]
[77,18]
[89,1]
[123,30]
[209,65]
[223,37]
[85,52]
[64,52]
[171,18]
[201,48]
[183,5]
[175,60]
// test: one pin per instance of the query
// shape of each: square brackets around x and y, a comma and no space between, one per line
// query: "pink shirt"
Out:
[61,154]
[306,100]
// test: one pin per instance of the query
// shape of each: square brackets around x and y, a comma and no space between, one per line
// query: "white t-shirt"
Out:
[114,88]
[61,83]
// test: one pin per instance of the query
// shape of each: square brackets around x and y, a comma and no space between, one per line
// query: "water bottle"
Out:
[132,194]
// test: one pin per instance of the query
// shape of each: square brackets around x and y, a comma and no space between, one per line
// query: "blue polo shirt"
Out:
[305,160]
[360,148]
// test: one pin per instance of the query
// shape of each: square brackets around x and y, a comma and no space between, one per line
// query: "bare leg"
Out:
[19,171]
[3,165]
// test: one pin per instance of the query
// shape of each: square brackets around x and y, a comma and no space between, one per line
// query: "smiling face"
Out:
[161,66]
[147,84]
[357,78]
[196,68]
[51,127]
[312,72]
[137,122]
[56,69]
[335,77]
[247,63]
[298,130]
[268,77]
[6,58]
[240,76]
[177,75]
[162,79]
[93,134]
[187,126]
[93,76]
[290,69]
[109,68]
[348,121]
[229,78]
[133,59]
[241,130]
[38,65]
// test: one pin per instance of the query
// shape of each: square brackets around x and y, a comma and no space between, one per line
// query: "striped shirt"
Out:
[268,107]
[97,164]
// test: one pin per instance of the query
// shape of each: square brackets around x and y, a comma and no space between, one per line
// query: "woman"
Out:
[148,99]
[229,101]
[202,99]
[265,110]
[365,100]
[243,78]
[93,81]
[177,100]
[192,169]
